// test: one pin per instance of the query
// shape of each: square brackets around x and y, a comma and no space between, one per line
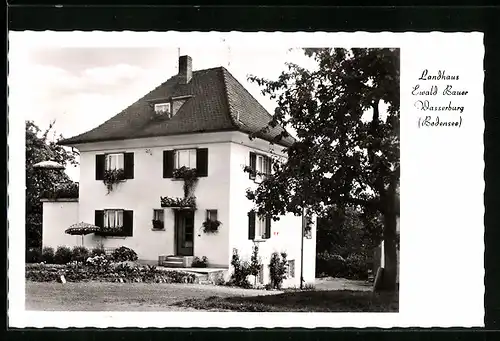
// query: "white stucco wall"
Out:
[142,194]
[57,217]
[285,233]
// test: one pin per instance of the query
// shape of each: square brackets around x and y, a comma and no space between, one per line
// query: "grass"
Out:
[301,301]
[98,296]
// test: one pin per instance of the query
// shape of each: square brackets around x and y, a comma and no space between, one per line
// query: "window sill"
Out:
[259,240]
[153,229]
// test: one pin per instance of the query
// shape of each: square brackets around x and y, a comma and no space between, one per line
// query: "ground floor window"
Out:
[158,219]
[113,218]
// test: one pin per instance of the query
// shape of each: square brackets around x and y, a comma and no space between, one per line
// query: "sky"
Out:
[80,87]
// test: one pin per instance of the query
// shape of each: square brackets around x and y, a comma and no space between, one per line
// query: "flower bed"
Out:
[99,268]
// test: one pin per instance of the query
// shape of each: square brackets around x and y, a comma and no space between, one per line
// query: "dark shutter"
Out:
[168,163]
[251,225]
[128,165]
[99,166]
[253,165]
[99,219]
[128,223]
[269,165]
[202,162]
[267,234]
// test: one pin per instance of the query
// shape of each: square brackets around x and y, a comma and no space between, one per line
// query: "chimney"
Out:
[185,69]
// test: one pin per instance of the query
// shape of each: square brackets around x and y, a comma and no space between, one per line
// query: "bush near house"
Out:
[63,255]
[79,254]
[123,254]
[100,269]
[200,262]
[97,251]
[354,266]
[241,271]
[277,269]
[48,255]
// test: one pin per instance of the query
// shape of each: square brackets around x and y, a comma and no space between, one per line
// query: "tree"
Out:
[346,154]
[38,181]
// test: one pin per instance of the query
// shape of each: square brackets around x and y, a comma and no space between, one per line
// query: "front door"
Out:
[184,232]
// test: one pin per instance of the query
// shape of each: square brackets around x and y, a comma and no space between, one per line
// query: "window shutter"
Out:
[128,223]
[253,165]
[99,166]
[251,225]
[128,165]
[269,165]
[99,219]
[202,162]
[267,233]
[168,163]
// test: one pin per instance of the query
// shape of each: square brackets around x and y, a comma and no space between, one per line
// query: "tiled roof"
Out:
[218,102]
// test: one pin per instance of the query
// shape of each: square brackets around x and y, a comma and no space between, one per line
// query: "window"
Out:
[260,164]
[158,219]
[185,158]
[114,161]
[291,269]
[158,215]
[162,108]
[212,215]
[260,227]
[113,218]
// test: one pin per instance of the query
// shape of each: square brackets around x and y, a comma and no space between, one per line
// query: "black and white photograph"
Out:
[219,178]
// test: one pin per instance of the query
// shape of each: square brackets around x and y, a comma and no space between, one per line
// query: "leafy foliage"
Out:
[39,147]
[178,202]
[255,264]
[79,253]
[241,271]
[100,269]
[157,224]
[190,179]
[48,255]
[113,177]
[211,226]
[277,269]
[124,253]
[347,150]
[33,255]
[200,263]
[63,191]
[63,255]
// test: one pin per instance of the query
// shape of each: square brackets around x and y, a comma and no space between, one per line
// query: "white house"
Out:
[196,119]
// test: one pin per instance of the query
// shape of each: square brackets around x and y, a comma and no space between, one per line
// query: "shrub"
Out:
[200,263]
[48,255]
[277,269]
[97,251]
[123,254]
[33,255]
[255,265]
[62,255]
[354,266]
[79,254]
[241,271]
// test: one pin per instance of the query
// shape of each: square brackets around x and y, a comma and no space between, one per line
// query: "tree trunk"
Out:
[389,277]
[388,282]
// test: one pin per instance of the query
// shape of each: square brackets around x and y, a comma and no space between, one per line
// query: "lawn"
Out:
[97,296]
[301,301]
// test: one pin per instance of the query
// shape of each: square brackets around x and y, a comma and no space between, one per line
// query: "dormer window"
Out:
[163,108]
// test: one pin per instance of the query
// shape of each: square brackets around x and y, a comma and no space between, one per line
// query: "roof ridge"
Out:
[230,105]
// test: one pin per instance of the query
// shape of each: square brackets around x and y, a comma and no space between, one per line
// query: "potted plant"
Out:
[157,224]
[211,226]
[189,176]
[189,202]
[113,177]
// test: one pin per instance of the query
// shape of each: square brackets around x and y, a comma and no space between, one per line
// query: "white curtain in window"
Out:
[113,218]
[185,158]
[114,161]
